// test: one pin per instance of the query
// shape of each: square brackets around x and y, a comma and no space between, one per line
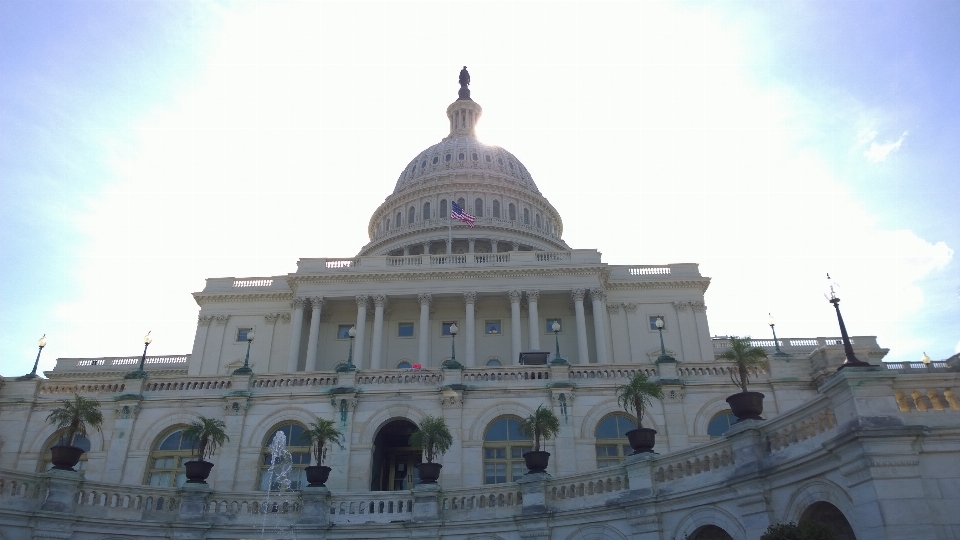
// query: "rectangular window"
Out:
[445,329]
[550,322]
[492,327]
[242,334]
[343,331]
[653,322]
[405,329]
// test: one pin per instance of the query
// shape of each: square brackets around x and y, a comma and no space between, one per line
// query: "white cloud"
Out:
[879,152]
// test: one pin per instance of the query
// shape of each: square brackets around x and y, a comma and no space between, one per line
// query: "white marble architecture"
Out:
[871,451]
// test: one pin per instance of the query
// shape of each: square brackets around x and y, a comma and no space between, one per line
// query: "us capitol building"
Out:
[432,317]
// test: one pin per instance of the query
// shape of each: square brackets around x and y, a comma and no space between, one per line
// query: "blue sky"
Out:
[146,146]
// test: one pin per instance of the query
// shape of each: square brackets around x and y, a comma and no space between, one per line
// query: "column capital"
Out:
[613,307]
[578,294]
[533,296]
[425,298]
[514,296]
[204,320]
[222,319]
[271,318]
[362,300]
[316,302]
[298,303]
[598,294]
[698,307]
[470,297]
[630,307]
[379,300]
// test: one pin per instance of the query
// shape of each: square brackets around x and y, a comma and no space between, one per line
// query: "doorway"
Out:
[394,460]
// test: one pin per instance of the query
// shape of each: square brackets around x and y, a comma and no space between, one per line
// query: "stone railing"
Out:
[586,488]
[486,221]
[137,502]
[705,459]
[811,420]
[402,377]
[609,372]
[800,346]
[936,366]
[497,499]
[720,371]
[505,374]
[372,507]
[179,385]
[123,363]
[56,386]
[290,381]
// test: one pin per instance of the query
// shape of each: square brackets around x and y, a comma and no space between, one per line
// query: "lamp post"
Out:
[140,373]
[452,362]
[556,338]
[664,357]
[41,343]
[926,360]
[851,360]
[349,365]
[776,343]
[245,370]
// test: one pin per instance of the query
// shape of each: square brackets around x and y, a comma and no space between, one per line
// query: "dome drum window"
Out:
[436,159]
[475,156]
[447,158]
[461,156]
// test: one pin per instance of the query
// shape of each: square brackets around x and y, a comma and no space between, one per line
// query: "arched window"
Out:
[611,434]
[411,215]
[443,209]
[388,224]
[78,440]
[720,423]
[526,216]
[404,365]
[426,210]
[538,221]
[165,468]
[503,449]
[299,452]
[399,218]
[513,212]
[496,208]
[462,203]
[478,207]
[493,362]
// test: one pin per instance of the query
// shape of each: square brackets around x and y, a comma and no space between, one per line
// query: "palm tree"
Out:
[637,394]
[433,437]
[74,417]
[742,352]
[206,434]
[318,433]
[541,425]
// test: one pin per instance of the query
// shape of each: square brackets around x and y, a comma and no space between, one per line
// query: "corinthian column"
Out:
[599,328]
[296,327]
[424,355]
[470,299]
[515,324]
[312,342]
[376,362]
[583,354]
[361,330]
[532,298]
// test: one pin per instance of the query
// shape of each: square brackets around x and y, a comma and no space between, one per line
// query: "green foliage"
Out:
[206,434]
[806,530]
[318,433]
[742,352]
[432,437]
[541,425]
[637,394]
[74,417]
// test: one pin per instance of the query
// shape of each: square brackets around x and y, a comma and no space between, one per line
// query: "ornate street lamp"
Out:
[776,343]
[556,338]
[926,360]
[664,357]
[140,373]
[245,370]
[349,365]
[42,342]
[452,362]
[851,360]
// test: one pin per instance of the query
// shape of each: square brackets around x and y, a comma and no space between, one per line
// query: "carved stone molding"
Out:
[672,395]
[698,307]
[598,294]
[236,406]
[127,411]
[350,400]
[613,307]
[452,399]
[379,300]
[578,294]
[271,318]
[362,300]
[470,297]
[681,306]
[316,302]
[284,317]
[222,319]
[630,307]
[533,296]
[424,298]
[298,303]
[204,320]
[514,296]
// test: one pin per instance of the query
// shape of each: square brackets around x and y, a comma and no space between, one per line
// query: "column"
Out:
[470,299]
[424,329]
[376,362]
[532,298]
[199,344]
[471,242]
[583,354]
[515,325]
[599,329]
[450,246]
[516,246]
[406,251]
[295,329]
[687,328]
[633,332]
[266,343]
[426,248]
[493,246]
[361,330]
[312,342]
[703,331]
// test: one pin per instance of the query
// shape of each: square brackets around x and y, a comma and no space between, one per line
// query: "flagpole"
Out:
[449,235]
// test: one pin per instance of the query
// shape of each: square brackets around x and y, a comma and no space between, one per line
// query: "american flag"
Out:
[459,214]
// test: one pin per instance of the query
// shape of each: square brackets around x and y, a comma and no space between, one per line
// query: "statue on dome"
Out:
[464,83]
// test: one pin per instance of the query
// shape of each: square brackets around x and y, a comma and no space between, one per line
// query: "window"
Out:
[503,449]
[653,323]
[405,329]
[343,331]
[720,423]
[496,208]
[492,327]
[404,365]
[78,440]
[443,209]
[411,215]
[487,159]
[447,158]
[426,210]
[513,212]
[494,362]
[436,159]
[611,434]
[549,326]
[475,157]
[478,207]
[399,219]
[299,452]
[526,216]
[461,156]
[462,203]
[445,328]
[388,224]
[539,224]
[242,333]
[165,467]
[423,164]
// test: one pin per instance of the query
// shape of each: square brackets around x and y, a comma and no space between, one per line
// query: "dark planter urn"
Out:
[537,461]
[642,439]
[746,405]
[65,458]
[198,471]
[429,472]
[317,475]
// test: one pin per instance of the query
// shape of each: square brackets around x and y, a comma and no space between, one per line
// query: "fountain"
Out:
[278,483]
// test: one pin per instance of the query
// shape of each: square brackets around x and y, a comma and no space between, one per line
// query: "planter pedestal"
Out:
[198,471]
[65,458]
[746,405]
[429,472]
[642,440]
[537,461]
[317,475]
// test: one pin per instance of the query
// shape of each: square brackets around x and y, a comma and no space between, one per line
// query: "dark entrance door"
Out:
[394,460]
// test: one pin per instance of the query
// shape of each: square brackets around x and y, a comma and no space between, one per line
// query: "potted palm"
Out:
[73,418]
[541,425]
[433,438]
[636,395]
[744,405]
[318,434]
[206,434]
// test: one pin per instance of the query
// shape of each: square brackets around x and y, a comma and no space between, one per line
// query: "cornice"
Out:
[695,283]
[295,280]
[203,298]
